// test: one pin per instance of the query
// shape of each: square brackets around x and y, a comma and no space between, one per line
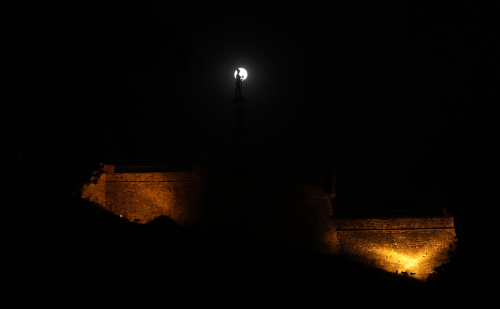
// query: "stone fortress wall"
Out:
[270,211]
[412,246]
[300,215]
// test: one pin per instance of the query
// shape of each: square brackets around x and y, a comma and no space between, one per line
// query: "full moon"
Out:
[243,73]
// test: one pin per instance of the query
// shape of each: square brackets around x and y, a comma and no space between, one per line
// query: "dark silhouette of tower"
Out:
[239,156]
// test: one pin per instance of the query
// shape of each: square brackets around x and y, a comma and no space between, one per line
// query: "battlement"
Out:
[413,246]
[412,243]
[288,212]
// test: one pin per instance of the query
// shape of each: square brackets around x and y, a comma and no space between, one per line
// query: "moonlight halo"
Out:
[243,73]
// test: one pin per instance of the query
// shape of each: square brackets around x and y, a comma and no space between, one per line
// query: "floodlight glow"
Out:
[243,73]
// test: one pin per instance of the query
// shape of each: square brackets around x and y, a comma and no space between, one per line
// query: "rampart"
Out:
[300,215]
[266,210]
[142,197]
[412,246]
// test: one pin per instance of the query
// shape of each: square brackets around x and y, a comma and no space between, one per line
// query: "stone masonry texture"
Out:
[300,215]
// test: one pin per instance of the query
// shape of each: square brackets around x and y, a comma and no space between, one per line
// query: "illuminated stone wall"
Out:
[290,213]
[276,212]
[95,190]
[144,196]
[408,246]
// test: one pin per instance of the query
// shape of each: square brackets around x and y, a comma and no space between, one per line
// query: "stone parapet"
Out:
[345,224]
[413,246]
[155,177]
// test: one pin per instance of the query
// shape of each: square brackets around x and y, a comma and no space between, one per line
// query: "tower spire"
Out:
[239,155]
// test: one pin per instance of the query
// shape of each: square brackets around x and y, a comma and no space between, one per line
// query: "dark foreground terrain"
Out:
[69,253]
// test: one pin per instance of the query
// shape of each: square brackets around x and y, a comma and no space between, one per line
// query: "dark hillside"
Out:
[79,255]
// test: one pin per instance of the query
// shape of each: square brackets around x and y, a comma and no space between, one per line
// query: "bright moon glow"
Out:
[243,73]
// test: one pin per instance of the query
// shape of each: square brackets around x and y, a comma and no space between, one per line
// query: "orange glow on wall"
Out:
[414,246]
[408,246]
[419,263]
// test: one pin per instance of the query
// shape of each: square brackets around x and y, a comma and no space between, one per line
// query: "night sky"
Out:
[394,98]
[398,98]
